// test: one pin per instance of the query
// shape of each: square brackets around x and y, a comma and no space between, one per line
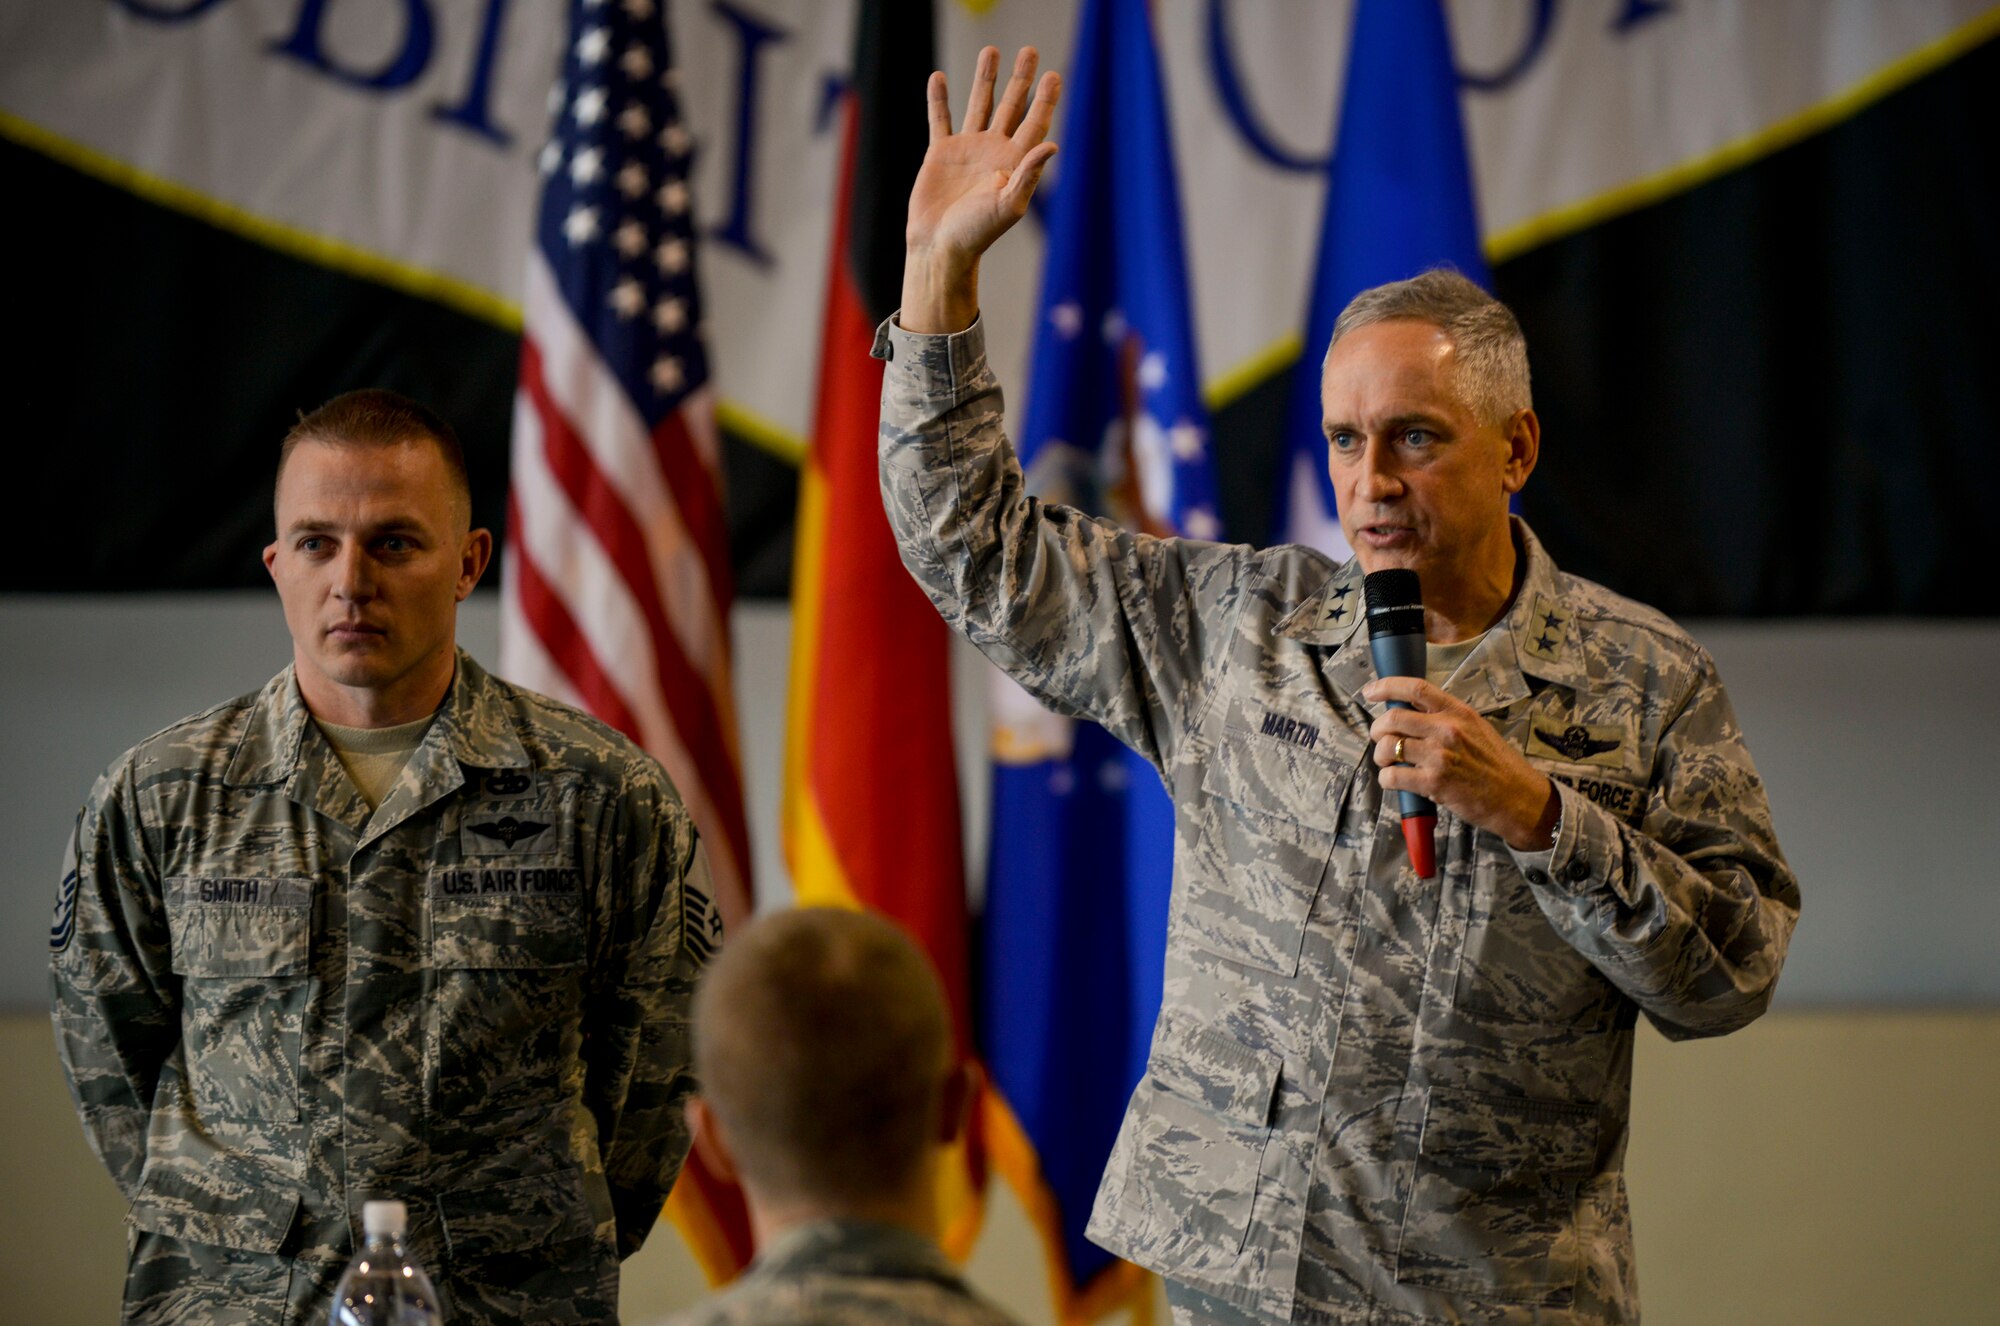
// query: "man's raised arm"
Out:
[1095,621]
[974,185]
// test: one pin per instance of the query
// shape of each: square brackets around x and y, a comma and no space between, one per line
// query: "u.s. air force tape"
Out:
[506,881]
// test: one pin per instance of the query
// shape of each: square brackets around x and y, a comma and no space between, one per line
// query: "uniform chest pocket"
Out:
[539,829]
[1268,811]
[242,947]
[509,973]
[524,933]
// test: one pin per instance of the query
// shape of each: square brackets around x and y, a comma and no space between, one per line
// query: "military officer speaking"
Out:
[387,928]
[1371,1096]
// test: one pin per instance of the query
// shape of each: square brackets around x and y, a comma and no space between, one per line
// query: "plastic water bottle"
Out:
[383,1285]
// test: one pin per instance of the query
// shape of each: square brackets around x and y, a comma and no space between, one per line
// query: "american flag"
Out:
[616,584]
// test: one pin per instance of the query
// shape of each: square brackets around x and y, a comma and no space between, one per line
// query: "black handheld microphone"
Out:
[1396,642]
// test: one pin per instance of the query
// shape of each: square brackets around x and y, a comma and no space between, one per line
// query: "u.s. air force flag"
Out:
[1082,854]
[1399,201]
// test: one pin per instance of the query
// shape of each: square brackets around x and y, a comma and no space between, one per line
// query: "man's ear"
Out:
[1524,447]
[472,560]
[956,1098]
[709,1141]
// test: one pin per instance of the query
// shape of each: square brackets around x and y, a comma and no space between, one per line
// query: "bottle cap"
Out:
[385,1219]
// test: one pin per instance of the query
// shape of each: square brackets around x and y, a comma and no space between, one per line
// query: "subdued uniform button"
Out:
[1579,871]
[1537,877]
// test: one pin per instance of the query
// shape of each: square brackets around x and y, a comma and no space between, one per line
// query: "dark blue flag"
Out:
[1399,201]
[1074,936]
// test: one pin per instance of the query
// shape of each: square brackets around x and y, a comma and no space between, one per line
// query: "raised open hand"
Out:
[974,185]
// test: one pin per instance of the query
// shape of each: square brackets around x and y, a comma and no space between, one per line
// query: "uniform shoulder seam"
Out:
[1270,554]
[542,713]
[1592,600]
[233,709]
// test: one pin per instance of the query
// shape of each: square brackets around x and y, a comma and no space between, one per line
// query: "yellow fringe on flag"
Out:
[1121,1287]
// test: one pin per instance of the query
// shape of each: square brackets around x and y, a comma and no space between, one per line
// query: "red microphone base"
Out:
[1420,836]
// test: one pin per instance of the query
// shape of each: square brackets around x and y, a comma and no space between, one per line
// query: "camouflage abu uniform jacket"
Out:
[1370,1097]
[847,1273]
[273,1006]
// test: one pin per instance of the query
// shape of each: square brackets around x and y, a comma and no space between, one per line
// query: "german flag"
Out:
[871,813]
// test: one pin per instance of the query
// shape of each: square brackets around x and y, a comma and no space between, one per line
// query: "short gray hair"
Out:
[1490,353]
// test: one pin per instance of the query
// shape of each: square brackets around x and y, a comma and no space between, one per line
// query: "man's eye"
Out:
[1343,441]
[396,543]
[312,544]
[1418,437]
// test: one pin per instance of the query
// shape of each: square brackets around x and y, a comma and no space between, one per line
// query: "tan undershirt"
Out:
[1440,661]
[374,756]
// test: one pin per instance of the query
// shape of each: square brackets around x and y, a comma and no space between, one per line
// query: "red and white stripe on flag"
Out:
[615,582]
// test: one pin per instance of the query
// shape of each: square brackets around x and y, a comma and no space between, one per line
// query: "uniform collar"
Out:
[1330,614]
[475,728]
[281,746]
[1539,626]
[478,724]
[268,751]
[856,1247]
[1534,639]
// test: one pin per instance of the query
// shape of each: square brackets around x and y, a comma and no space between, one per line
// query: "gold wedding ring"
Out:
[1398,752]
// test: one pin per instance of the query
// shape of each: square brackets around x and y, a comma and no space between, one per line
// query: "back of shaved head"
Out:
[822,1045]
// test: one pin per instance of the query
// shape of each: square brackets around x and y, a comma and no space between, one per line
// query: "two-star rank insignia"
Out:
[1548,630]
[1340,603]
[507,831]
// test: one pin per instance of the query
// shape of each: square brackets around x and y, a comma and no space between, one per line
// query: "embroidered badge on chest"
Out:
[493,835]
[1600,744]
[508,784]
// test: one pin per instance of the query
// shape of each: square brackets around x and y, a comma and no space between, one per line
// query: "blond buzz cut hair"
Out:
[822,1044]
[378,417]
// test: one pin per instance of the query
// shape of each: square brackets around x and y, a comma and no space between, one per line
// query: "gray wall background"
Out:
[1875,738]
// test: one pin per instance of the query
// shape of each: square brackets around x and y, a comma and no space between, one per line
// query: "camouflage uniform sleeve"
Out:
[115,1001]
[1093,620]
[638,1047]
[1690,912]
